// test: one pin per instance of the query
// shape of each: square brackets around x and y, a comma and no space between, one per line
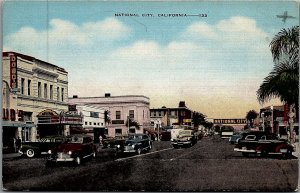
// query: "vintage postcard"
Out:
[197,96]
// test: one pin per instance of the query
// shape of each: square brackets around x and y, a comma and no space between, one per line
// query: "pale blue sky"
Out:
[214,63]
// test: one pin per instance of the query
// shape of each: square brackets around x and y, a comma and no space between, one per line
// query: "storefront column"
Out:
[33,134]
[19,133]
[67,130]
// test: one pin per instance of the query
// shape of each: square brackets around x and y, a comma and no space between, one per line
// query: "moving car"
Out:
[136,143]
[32,149]
[236,137]
[263,144]
[75,149]
[185,138]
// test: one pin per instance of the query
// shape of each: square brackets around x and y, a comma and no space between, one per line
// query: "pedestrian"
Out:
[100,140]
[18,144]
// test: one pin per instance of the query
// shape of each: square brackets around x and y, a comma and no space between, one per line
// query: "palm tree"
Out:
[283,81]
[251,116]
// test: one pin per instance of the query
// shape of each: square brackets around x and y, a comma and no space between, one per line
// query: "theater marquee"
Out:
[230,121]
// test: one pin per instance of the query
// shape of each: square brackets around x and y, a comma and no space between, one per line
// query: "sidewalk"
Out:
[10,155]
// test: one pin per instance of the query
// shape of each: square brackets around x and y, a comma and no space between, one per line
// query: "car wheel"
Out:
[30,153]
[77,160]
[245,154]
[264,153]
[139,151]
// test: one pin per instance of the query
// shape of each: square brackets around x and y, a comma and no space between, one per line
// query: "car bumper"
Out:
[244,150]
[182,143]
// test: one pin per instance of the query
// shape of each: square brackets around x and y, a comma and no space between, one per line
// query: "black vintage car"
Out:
[136,143]
[263,144]
[32,149]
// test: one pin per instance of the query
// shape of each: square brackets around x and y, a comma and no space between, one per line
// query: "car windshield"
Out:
[184,132]
[134,137]
[75,139]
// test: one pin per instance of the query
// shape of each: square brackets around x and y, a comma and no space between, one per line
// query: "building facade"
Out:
[275,119]
[120,110]
[93,120]
[34,98]
[166,117]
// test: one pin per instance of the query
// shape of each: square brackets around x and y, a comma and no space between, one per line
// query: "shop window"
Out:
[26,134]
[118,131]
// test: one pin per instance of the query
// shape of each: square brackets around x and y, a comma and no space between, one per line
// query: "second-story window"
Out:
[131,114]
[57,93]
[51,91]
[45,91]
[118,114]
[22,85]
[62,94]
[39,89]
[29,87]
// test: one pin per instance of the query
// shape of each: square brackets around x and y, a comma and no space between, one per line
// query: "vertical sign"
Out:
[13,71]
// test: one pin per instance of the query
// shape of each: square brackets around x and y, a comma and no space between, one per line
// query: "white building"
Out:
[121,108]
[93,119]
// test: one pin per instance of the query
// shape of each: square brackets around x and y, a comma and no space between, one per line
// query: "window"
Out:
[101,124]
[118,114]
[26,133]
[62,94]
[22,85]
[29,87]
[45,91]
[131,114]
[94,123]
[90,123]
[250,137]
[131,130]
[39,89]
[85,123]
[57,92]
[94,114]
[118,131]
[51,91]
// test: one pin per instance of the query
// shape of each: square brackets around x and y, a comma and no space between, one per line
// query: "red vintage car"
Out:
[75,149]
[263,144]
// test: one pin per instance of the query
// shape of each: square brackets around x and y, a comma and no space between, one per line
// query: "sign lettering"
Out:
[13,72]
[230,121]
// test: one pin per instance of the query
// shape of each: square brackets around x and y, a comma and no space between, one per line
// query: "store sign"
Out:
[230,121]
[12,115]
[117,122]
[13,72]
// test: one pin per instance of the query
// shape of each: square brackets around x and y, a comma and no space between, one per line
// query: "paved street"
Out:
[210,165]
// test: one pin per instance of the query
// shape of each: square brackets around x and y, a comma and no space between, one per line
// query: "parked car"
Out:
[75,149]
[32,149]
[185,138]
[236,137]
[165,136]
[137,143]
[263,144]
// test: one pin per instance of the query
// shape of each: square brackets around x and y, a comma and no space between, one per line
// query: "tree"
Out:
[132,123]
[198,119]
[283,81]
[251,116]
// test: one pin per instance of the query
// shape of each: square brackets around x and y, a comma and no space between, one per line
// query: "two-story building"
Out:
[166,117]
[120,110]
[34,99]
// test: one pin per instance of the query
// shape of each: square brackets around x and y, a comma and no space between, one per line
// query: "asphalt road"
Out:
[210,165]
